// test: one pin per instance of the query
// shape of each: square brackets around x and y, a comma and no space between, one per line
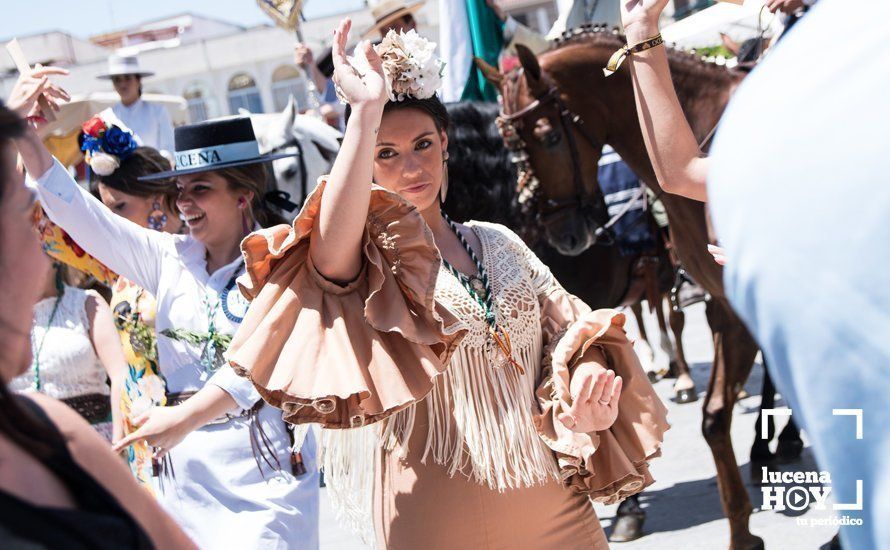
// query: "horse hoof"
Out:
[653,376]
[628,527]
[789,450]
[687,396]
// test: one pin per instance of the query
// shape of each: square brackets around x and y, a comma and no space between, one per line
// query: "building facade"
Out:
[217,66]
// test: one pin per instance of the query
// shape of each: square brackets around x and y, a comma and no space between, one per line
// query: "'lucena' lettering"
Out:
[198,158]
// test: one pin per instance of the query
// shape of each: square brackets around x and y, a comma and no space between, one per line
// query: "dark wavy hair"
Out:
[481,178]
[143,161]
[18,423]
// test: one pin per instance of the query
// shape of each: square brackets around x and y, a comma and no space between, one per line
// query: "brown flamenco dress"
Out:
[429,430]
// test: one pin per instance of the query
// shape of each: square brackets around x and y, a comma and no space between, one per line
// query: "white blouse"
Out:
[150,123]
[68,363]
[171,267]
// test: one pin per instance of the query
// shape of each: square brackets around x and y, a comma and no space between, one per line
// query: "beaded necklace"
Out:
[479,288]
[213,343]
[52,316]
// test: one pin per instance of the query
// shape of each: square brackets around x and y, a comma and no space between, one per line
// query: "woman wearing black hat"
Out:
[234,478]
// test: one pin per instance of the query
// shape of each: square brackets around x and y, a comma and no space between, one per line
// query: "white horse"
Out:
[314,143]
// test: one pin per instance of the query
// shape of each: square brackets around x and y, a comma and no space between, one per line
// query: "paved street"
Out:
[683,505]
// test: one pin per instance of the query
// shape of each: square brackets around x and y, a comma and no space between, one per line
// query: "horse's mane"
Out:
[702,85]
[611,38]
[481,178]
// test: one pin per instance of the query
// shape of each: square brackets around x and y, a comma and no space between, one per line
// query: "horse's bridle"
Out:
[304,177]
[528,186]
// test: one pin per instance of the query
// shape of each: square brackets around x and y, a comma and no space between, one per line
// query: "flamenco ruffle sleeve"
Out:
[337,355]
[609,465]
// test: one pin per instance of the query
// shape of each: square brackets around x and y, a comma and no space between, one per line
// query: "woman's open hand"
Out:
[161,427]
[29,87]
[359,89]
[595,393]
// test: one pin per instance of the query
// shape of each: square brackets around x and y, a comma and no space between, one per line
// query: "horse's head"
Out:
[556,153]
[313,144]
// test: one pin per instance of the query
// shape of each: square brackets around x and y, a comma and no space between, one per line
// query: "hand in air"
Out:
[28,89]
[161,427]
[595,393]
[358,89]
[641,13]
[302,55]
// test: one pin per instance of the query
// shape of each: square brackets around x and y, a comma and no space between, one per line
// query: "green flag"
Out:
[487,39]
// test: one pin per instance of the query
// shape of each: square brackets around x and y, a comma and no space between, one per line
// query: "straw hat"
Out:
[387,11]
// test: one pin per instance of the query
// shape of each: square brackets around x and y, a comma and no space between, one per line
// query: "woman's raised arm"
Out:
[679,164]
[335,243]
[126,248]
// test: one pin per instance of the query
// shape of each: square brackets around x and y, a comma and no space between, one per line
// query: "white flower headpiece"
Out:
[409,64]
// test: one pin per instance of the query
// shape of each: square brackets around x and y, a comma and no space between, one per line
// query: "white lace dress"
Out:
[68,365]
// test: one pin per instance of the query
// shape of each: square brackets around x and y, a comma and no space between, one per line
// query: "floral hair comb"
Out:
[409,63]
[105,142]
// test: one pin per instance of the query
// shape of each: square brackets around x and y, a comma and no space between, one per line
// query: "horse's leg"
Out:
[790,445]
[734,352]
[628,520]
[665,340]
[643,347]
[685,386]
[760,453]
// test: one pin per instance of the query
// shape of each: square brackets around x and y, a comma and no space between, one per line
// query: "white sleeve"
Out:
[124,247]
[240,389]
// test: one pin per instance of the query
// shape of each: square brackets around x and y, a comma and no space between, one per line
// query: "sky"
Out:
[85,18]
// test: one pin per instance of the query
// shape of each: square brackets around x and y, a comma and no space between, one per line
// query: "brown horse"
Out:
[563,109]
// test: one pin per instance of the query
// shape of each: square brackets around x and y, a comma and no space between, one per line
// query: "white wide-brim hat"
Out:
[387,11]
[120,65]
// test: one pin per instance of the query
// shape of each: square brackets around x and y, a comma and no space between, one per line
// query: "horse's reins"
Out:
[568,121]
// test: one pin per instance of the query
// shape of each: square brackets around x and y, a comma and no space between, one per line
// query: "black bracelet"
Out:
[619,56]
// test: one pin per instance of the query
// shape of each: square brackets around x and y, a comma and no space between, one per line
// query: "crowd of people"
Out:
[463,395]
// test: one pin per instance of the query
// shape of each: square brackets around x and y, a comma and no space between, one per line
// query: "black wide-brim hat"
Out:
[215,145]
